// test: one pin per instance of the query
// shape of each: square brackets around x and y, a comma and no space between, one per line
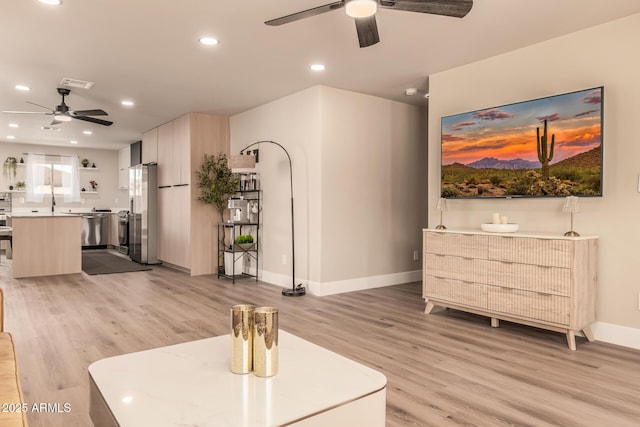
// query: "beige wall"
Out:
[359,187]
[602,55]
[106,175]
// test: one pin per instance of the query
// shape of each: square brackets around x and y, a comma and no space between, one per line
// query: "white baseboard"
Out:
[341,286]
[616,334]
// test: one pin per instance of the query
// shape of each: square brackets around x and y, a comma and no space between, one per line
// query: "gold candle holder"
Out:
[265,342]
[242,326]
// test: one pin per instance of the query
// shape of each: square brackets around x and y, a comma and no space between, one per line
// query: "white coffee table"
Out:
[190,384]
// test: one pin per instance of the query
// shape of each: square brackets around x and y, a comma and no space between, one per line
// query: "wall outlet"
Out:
[284,259]
[415,256]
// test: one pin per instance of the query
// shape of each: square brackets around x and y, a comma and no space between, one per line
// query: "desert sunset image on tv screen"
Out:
[544,147]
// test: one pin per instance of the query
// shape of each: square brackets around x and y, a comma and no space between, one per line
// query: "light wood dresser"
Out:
[546,281]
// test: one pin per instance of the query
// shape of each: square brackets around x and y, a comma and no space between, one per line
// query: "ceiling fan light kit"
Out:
[364,13]
[361,8]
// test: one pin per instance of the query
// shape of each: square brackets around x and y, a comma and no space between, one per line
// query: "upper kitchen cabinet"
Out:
[174,152]
[124,160]
[150,146]
[187,234]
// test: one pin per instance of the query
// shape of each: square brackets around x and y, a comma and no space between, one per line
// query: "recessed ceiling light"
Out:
[11,137]
[51,2]
[87,132]
[209,41]
[318,67]
[127,103]
[73,142]
[13,125]
[410,91]
[23,88]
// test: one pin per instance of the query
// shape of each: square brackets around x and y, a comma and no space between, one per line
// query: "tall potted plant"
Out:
[217,184]
[9,169]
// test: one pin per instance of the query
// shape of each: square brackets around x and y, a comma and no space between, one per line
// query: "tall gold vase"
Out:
[265,342]
[242,326]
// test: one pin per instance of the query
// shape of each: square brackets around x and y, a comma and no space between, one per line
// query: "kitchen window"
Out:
[52,175]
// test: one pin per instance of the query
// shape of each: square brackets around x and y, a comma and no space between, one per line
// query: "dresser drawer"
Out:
[455,267]
[528,277]
[526,250]
[456,291]
[456,244]
[531,305]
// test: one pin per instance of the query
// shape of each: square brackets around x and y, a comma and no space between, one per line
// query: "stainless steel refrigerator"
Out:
[143,208]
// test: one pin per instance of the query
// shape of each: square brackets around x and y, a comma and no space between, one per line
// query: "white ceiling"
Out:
[148,51]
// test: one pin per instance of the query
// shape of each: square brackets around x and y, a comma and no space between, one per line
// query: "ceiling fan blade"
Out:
[306,13]
[88,113]
[33,103]
[367,31]
[28,112]
[92,120]
[454,8]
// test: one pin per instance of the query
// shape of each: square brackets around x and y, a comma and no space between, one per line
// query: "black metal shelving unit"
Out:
[238,251]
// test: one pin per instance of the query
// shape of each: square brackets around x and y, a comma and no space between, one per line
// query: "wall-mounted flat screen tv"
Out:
[547,147]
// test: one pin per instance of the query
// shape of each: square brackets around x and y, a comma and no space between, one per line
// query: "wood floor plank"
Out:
[446,369]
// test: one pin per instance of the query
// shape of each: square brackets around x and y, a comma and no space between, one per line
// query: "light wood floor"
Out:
[447,369]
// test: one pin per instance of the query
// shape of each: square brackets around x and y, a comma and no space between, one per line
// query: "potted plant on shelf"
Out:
[217,184]
[84,163]
[94,185]
[20,185]
[244,241]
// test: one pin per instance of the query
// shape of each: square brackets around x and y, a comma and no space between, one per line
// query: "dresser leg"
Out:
[495,322]
[571,340]
[587,333]
[429,307]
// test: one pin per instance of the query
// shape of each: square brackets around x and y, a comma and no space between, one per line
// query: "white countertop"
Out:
[535,235]
[41,215]
[191,384]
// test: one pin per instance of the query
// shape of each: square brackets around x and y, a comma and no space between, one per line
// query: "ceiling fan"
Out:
[363,11]
[62,113]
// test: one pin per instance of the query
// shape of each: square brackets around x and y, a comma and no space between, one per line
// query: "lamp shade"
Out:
[242,161]
[442,205]
[571,205]
[361,8]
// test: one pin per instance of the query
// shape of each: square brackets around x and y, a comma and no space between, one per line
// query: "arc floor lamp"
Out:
[248,161]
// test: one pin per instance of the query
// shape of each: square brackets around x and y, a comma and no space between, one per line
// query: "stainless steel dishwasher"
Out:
[95,230]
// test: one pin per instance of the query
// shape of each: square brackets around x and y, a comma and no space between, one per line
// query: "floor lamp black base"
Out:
[297,292]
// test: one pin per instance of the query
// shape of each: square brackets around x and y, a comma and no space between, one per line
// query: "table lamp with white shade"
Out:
[441,206]
[571,207]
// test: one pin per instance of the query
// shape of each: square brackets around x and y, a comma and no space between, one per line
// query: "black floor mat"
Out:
[103,262]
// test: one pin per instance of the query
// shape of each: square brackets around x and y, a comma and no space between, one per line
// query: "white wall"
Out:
[359,188]
[106,175]
[602,55]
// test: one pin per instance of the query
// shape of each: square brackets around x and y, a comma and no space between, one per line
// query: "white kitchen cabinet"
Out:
[124,161]
[187,226]
[150,146]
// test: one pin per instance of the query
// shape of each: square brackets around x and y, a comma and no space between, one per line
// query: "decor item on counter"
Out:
[11,188]
[242,330]
[441,206]
[20,185]
[549,147]
[85,163]
[94,185]
[265,342]
[298,290]
[571,206]
[500,228]
[499,219]
[93,165]
[9,167]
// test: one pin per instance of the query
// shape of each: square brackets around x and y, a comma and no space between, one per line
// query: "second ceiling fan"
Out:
[363,12]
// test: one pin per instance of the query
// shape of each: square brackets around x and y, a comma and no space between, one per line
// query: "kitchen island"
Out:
[46,244]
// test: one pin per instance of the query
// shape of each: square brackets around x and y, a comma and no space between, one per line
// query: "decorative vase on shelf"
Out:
[93,165]
[84,163]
